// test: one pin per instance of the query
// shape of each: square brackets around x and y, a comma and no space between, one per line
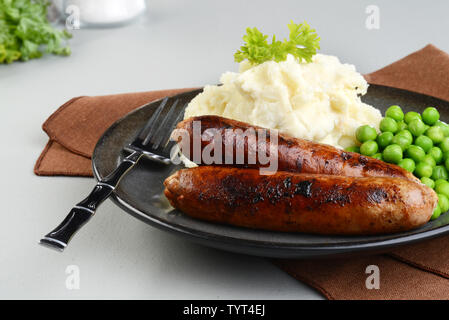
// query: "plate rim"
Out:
[302,250]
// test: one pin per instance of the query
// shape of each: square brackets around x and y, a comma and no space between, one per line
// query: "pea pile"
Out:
[418,143]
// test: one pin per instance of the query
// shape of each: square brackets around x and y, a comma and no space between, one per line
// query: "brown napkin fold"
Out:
[419,271]
[425,71]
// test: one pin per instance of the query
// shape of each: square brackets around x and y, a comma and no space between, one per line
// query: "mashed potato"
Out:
[318,101]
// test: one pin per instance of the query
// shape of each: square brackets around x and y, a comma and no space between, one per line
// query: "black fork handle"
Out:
[84,210]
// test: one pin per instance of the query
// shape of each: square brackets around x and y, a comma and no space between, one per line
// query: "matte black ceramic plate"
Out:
[140,193]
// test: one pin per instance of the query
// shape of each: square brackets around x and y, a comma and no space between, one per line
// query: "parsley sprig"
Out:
[302,43]
[25,31]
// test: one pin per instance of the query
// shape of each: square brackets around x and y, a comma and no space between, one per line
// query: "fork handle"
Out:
[84,210]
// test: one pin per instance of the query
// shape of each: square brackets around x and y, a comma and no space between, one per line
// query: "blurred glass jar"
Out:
[101,13]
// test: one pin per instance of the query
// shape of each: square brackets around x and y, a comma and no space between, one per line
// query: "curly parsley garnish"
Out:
[302,43]
[25,31]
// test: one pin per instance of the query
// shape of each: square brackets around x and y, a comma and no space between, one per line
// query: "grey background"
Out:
[176,44]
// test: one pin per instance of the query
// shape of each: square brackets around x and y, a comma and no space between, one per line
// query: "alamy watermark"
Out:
[72,282]
[372,21]
[72,22]
[373,280]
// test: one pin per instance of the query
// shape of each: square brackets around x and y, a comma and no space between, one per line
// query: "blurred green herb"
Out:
[302,43]
[25,32]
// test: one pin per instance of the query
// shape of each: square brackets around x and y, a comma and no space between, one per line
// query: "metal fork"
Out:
[152,141]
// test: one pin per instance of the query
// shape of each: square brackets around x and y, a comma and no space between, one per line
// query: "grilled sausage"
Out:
[295,202]
[294,155]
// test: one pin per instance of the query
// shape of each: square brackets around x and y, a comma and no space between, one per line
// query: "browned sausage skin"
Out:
[298,155]
[295,202]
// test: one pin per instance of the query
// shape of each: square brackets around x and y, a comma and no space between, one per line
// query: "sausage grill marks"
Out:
[297,155]
[300,202]
[318,189]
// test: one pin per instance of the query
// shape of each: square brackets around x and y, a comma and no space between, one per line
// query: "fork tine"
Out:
[168,133]
[150,123]
[155,128]
[166,122]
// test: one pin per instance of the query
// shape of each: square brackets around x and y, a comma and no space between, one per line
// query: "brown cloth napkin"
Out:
[419,271]
[76,126]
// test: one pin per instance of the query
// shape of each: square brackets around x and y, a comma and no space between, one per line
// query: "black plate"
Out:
[140,193]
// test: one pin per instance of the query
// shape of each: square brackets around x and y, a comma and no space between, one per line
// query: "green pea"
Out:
[436,213]
[365,133]
[444,126]
[403,139]
[388,125]
[437,154]
[377,156]
[384,139]
[430,116]
[417,127]
[444,145]
[369,148]
[353,149]
[395,112]
[409,116]
[442,187]
[443,202]
[428,182]
[428,159]
[406,134]
[423,170]
[416,153]
[407,164]
[440,181]
[436,134]
[424,142]
[440,172]
[392,153]
[402,126]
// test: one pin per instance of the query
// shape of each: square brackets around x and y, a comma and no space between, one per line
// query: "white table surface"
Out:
[176,44]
